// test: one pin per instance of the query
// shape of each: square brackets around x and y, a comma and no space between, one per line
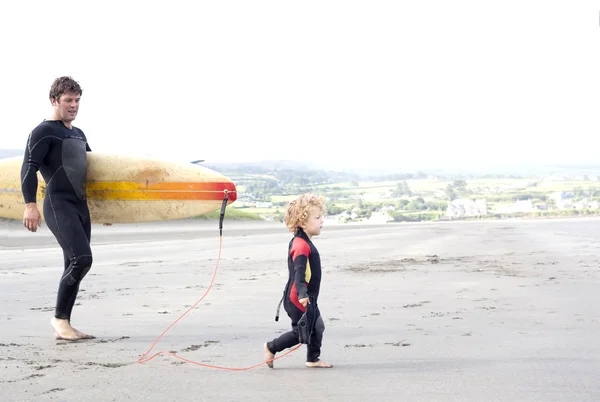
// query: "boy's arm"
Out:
[300,252]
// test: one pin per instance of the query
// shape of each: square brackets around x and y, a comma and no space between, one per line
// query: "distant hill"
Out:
[261,166]
[8,153]
[285,172]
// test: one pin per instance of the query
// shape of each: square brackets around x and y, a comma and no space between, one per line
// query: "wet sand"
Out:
[453,311]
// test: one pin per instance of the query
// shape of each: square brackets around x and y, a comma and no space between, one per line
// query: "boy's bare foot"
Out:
[318,364]
[268,356]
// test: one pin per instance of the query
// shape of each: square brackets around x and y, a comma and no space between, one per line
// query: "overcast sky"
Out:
[252,80]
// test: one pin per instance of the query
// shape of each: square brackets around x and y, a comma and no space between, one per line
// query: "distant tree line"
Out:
[397,176]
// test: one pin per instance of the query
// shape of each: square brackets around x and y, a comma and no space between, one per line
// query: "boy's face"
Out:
[314,223]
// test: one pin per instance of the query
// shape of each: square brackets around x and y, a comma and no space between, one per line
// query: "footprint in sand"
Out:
[110,339]
[43,367]
[108,365]
[44,309]
[54,390]
[401,343]
[5,345]
[193,348]
[416,304]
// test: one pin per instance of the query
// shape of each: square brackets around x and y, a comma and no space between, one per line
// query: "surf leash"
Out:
[144,358]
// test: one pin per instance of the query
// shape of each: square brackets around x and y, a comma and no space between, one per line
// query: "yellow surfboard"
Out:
[126,189]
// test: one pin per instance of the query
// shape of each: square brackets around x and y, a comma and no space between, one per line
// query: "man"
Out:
[58,150]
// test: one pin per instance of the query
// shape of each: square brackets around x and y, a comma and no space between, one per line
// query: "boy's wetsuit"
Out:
[304,280]
[59,153]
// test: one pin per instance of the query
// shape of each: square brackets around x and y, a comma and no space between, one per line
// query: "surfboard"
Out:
[127,189]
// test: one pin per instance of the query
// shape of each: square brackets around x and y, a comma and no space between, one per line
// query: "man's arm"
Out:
[87,145]
[37,147]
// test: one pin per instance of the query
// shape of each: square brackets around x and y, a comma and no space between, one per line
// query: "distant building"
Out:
[464,208]
[582,204]
[388,209]
[374,196]
[521,185]
[561,195]
[380,217]
[518,206]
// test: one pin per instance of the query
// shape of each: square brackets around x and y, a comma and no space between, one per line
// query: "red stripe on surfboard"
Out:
[210,191]
[164,185]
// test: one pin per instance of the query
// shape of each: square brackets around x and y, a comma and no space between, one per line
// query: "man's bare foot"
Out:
[318,364]
[64,331]
[268,356]
[82,335]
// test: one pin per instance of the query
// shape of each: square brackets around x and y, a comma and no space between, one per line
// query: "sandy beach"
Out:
[452,311]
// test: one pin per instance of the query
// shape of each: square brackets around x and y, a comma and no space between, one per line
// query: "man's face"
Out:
[67,106]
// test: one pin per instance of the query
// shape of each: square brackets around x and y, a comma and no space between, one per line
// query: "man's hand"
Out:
[31,217]
[304,301]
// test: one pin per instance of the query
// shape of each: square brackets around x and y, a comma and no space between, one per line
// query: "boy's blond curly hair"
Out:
[298,210]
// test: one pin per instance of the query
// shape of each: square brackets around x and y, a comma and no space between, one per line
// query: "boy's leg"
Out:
[314,347]
[286,340]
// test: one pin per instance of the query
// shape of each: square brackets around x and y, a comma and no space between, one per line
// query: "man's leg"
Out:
[62,219]
[87,229]
[67,267]
[86,248]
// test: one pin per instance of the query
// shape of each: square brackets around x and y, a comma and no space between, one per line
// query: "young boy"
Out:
[303,217]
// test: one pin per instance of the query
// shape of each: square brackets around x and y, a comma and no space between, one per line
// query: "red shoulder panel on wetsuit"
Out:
[299,247]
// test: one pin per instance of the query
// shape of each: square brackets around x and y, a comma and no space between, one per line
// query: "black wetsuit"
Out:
[59,153]
[304,280]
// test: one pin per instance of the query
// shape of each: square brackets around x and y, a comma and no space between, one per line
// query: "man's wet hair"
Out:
[63,85]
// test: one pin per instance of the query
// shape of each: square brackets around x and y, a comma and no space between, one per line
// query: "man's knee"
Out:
[83,261]
[81,266]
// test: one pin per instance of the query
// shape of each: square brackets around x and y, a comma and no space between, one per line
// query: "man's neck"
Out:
[67,124]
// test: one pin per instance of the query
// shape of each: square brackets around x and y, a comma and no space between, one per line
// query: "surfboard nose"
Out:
[231,192]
